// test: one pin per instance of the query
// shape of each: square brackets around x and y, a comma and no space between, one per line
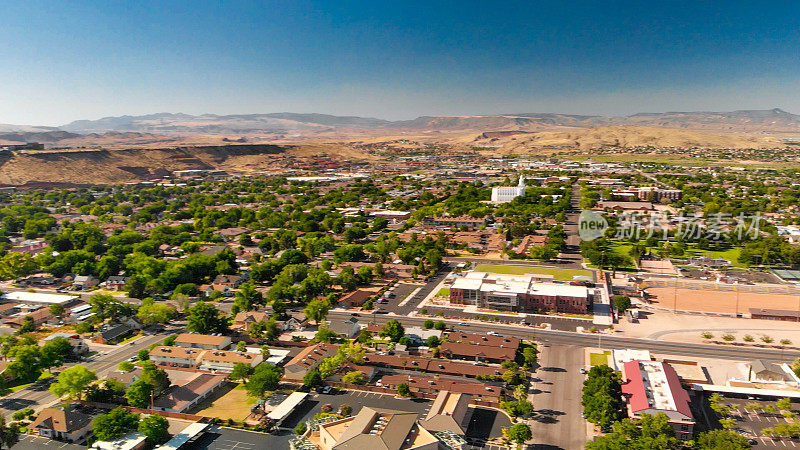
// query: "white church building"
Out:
[504,194]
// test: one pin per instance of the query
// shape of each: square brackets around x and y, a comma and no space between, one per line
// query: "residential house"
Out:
[346,328]
[431,385]
[84,282]
[175,356]
[79,346]
[449,412]
[244,319]
[181,398]
[62,424]
[114,334]
[116,282]
[223,361]
[204,341]
[308,359]
[377,428]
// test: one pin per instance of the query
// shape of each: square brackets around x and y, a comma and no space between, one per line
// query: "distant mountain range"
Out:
[169,124]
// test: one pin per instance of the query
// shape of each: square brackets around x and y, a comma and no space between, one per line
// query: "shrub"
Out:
[707,335]
[748,338]
[728,338]
[300,429]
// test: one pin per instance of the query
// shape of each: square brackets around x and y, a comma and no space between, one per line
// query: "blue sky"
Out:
[69,60]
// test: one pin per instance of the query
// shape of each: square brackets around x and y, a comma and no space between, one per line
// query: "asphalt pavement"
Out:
[556,390]
[38,396]
[599,340]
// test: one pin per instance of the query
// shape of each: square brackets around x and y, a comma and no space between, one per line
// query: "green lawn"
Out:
[443,292]
[26,383]
[558,274]
[599,359]
[731,254]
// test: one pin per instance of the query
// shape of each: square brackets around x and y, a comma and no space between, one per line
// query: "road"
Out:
[604,341]
[557,399]
[38,396]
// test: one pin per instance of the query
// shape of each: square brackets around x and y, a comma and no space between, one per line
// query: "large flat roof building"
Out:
[523,293]
[654,387]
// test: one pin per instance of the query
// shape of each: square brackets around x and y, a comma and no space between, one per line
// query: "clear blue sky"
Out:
[67,60]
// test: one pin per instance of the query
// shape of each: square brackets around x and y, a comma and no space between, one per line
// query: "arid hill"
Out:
[120,166]
[627,136]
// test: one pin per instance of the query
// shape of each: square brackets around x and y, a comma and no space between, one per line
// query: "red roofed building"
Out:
[652,387]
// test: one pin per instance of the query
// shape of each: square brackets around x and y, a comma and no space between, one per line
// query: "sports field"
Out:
[558,274]
[720,301]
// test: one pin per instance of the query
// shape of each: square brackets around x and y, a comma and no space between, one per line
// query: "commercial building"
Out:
[649,193]
[652,387]
[520,293]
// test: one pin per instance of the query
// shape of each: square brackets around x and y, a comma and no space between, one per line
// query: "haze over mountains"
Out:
[169,124]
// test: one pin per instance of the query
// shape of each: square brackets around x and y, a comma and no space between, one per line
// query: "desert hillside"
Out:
[623,136]
[120,166]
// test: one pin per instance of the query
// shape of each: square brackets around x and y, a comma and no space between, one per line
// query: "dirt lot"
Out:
[719,301]
[233,404]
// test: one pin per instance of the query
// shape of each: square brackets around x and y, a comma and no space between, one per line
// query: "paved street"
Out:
[37,396]
[604,341]
[557,399]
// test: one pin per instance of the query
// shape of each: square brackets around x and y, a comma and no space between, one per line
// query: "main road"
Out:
[598,340]
[38,396]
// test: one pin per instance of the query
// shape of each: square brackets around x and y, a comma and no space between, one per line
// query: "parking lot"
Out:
[223,438]
[751,422]
[28,442]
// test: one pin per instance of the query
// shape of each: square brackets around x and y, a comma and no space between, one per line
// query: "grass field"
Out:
[235,404]
[599,359]
[443,292]
[558,274]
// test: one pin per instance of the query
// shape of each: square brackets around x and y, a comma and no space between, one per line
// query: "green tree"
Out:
[205,318]
[139,394]
[622,303]
[355,377]
[428,324]
[54,352]
[246,298]
[312,378]
[439,325]
[156,377]
[317,310]
[73,382]
[152,312]
[241,372]
[393,329]
[265,378]
[519,433]
[125,366]
[143,355]
[721,440]
[107,427]
[154,427]
[602,397]
[648,433]
[403,390]
[432,341]
[9,435]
